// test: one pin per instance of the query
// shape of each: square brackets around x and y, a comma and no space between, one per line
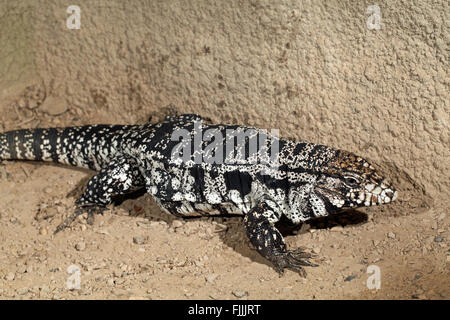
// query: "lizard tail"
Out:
[28,144]
[85,147]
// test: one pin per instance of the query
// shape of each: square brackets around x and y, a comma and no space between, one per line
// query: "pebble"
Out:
[337,229]
[177,224]
[48,190]
[163,223]
[350,278]
[138,240]
[10,276]
[210,278]
[54,106]
[45,289]
[391,235]
[80,246]
[316,250]
[43,231]
[438,239]
[179,262]
[21,103]
[118,273]
[22,291]
[119,292]
[239,293]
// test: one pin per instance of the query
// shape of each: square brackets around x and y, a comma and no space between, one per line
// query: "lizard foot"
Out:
[91,210]
[295,260]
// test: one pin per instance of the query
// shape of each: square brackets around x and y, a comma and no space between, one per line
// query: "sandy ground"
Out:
[313,69]
[135,251]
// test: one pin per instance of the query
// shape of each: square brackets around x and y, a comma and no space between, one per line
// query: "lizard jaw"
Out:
[375,195]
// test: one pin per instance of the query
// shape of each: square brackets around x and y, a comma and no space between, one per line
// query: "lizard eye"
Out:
[351,181]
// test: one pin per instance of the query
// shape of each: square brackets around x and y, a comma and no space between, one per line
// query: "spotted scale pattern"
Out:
[299,180]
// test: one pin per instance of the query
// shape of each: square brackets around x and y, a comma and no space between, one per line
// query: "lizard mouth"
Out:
[375,195]
[370,196]
[331,196]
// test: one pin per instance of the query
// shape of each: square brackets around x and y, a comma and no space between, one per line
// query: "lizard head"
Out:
[350,181]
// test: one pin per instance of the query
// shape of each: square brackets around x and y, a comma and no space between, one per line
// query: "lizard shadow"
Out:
[235,235]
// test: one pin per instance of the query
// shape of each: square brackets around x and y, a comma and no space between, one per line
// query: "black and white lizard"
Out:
[308,181]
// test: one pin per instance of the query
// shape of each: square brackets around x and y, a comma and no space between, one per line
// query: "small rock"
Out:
[10,276]
[137,298]
[110,282]
[177,224]
[80,246]
[391,235]
[210,278]
[120,292]
[420,296]
[48,190]
[240,294]
[199,263]
[22,291]
[316,250]
[21,103]
[118,273]
[45,289]
[43,231]
[337,229]
[54,106]
[438,239]
[138,240]
[179,262]
[163,223]
[350,278]
[32,104]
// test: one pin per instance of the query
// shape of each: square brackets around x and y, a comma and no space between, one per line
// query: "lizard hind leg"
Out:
[270,243]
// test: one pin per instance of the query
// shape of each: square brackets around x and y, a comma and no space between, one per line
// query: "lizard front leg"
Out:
[121,176]
[270,243]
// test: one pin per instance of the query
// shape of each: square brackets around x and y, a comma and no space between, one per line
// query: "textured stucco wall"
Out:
[310,68]
[17,50]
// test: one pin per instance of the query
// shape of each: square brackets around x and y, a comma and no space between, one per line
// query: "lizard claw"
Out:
[295,260]
[91,210]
